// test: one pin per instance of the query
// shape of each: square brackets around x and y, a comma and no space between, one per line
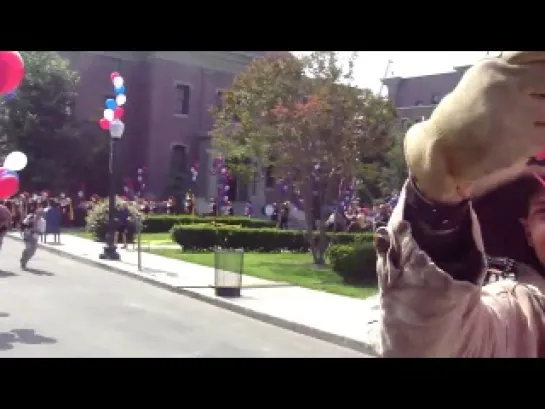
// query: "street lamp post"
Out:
[110,250]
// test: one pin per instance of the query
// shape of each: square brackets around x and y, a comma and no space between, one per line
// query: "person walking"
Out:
[31,234]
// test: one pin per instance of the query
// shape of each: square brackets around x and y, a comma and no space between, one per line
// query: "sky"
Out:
[371,65]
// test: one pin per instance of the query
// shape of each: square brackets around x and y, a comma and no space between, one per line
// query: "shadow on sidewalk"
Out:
[38,272]
[211,285]
[22,336]
[6,274]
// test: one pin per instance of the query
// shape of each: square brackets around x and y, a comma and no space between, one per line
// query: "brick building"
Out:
[416,97]
[169,94]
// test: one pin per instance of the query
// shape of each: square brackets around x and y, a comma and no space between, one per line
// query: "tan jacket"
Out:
[424,312]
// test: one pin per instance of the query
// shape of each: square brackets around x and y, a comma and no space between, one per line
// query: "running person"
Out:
[30,227]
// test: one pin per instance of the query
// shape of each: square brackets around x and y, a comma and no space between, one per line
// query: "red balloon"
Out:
[12,71]
[118,113]
[8,186]
[541,155]
[114,74]
[104,124]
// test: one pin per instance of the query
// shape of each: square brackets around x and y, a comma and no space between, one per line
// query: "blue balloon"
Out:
[110,103]
[120,90]
[10,95]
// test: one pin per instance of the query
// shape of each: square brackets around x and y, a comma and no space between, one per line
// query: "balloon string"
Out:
[540,179]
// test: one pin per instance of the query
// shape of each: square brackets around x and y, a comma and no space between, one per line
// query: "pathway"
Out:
[342,320]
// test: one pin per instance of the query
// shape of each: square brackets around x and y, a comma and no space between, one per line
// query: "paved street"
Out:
[62,308]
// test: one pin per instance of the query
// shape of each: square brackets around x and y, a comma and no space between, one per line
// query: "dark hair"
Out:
[32,207]
[528,189]
[499,213]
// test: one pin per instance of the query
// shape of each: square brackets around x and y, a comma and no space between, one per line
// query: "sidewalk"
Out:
[341,320]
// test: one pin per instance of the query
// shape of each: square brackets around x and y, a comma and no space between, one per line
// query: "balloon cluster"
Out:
[12,71]
[224,177]
[141,173]
[194,171]
[114,108]
[9,180]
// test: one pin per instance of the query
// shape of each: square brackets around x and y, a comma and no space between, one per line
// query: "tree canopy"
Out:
[39,120]
[302,116]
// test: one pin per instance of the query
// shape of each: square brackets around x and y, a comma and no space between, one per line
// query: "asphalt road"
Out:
[62,308]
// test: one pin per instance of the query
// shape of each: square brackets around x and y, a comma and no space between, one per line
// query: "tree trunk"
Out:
[310,235]
[318,247]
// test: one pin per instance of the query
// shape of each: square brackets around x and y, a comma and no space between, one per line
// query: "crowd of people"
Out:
[358,218]
[41,215]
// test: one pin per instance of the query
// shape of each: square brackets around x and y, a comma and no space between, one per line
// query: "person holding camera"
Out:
[431,257]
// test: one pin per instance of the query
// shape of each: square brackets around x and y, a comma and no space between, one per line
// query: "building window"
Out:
[183,97]
[270,180]
[178,159]
[435,99]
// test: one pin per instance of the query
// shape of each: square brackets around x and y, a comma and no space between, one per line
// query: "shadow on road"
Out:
[22,336]
[6,274]
[38,272]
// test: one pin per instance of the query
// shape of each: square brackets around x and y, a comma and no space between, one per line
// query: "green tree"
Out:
[395,173]
[384,172]
[301,117]
[40,121]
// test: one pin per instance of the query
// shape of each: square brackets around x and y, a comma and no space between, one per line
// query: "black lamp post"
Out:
[110,251]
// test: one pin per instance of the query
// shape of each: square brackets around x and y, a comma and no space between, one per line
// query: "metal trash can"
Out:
[228,267]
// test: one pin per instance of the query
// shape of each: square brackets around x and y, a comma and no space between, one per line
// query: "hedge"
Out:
[355,263]
[206,236]
[163,223]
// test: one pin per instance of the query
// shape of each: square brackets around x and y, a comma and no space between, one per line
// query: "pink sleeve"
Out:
[424,312]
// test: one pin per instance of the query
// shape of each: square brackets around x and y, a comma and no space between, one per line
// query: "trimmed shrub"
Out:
[207,236]
[355,263]
[163,223]
[97,219]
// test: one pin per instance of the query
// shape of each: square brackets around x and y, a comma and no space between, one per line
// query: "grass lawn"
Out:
[155,238]
[290,268]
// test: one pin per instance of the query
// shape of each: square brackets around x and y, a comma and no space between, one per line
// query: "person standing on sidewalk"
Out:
[5,222]
[31,234]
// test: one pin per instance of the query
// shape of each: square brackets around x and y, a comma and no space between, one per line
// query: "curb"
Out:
[218,302]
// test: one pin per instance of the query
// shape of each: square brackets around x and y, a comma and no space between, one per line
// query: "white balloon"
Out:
[109,114]
[118,82]
[120,99]
[269,210]
[15,161]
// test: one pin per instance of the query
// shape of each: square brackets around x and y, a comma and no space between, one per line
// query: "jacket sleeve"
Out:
[431,266]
